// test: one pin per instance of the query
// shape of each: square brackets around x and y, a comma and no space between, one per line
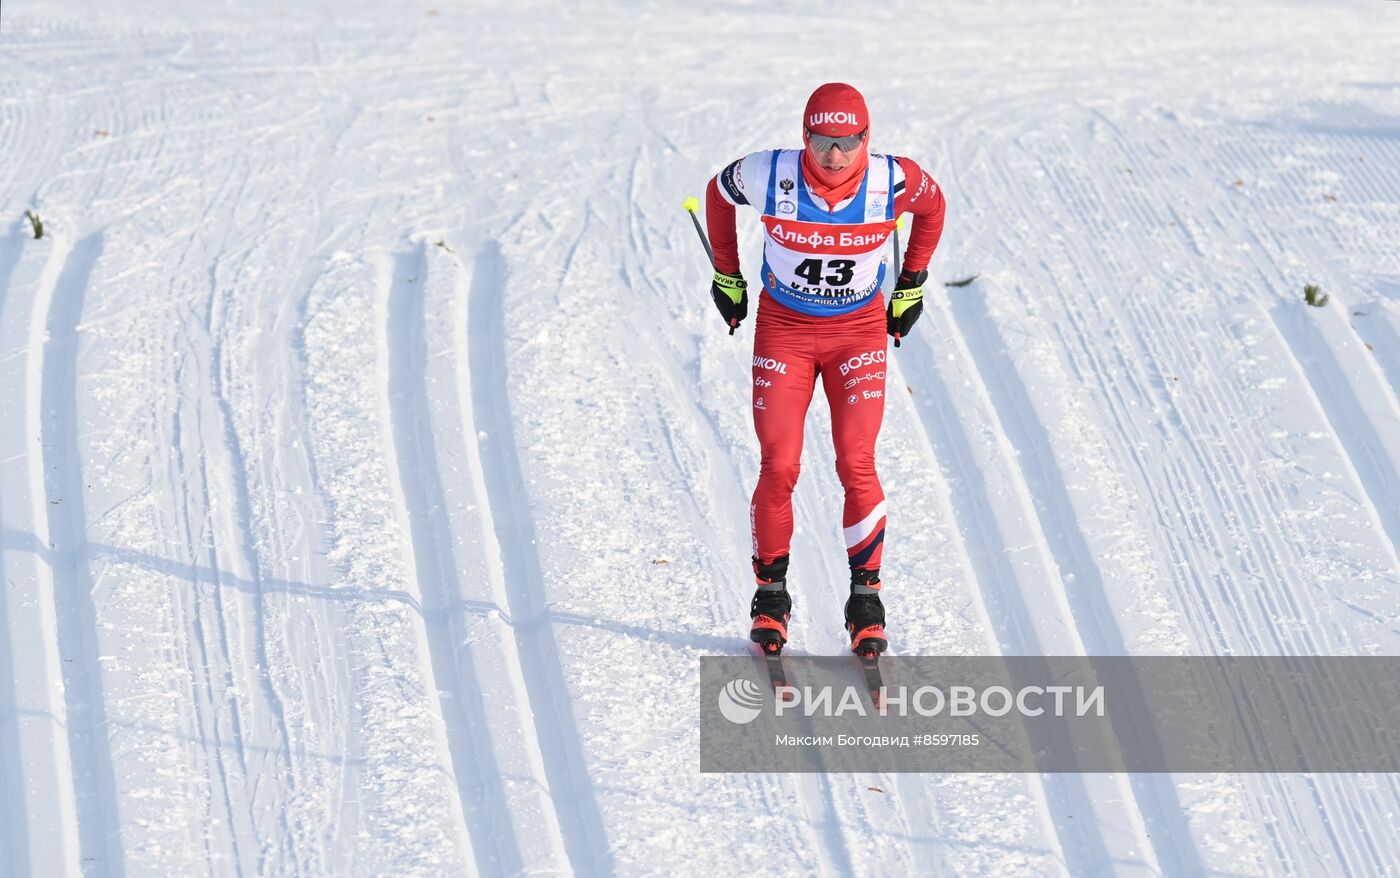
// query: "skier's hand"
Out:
[906,304]
[731,295]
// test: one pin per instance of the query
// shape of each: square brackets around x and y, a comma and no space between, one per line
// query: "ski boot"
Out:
[865,615]
[772,605]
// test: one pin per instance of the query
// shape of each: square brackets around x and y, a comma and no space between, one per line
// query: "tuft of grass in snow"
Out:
[1311,295]
[36,223]
[961,283]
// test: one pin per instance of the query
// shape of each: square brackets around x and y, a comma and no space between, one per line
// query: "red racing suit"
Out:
[821,314]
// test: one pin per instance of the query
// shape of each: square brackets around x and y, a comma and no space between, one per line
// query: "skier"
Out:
[827,212]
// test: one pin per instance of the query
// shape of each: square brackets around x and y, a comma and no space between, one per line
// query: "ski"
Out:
[874,683]
[772,652]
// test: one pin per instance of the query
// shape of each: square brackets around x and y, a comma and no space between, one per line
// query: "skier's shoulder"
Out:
[745,178]
[900,165]
[764,160]
[912,180]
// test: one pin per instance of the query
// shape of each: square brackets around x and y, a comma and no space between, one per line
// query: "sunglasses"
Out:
[822,143]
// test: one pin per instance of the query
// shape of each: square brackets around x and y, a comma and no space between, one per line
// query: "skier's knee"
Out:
[856,470]
[780,472]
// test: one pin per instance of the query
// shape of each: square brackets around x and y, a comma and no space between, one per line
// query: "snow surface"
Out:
[374,469]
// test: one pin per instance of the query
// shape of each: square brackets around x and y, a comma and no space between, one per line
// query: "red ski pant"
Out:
[790,351]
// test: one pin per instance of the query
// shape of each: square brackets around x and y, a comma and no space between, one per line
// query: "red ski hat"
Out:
[836,110]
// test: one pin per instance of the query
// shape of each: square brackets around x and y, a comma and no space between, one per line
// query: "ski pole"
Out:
[898,263]
[692,204]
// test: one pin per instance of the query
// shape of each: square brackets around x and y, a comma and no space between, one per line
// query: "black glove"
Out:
[906,304]
[731,295]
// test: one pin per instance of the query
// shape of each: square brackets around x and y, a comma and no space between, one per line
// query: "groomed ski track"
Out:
[374,469]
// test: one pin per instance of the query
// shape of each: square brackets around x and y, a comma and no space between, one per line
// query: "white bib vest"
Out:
[819,261]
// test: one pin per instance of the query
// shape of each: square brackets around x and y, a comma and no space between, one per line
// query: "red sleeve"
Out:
[719,221]
[924,199]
